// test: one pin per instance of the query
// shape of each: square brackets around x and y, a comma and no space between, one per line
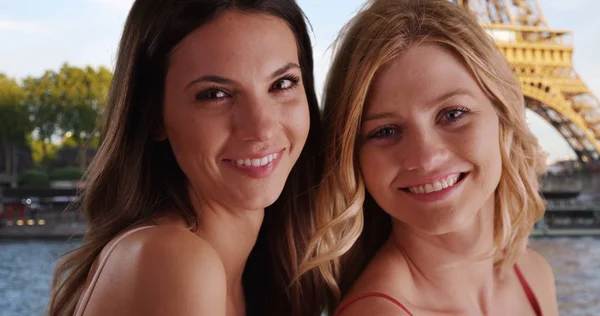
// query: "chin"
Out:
[260,203]
[433,229]
[438,222]
[260,198]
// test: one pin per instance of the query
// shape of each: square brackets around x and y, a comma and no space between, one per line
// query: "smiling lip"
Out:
[437,189]
[258,165]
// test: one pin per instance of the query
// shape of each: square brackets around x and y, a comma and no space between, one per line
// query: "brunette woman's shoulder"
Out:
[162,270]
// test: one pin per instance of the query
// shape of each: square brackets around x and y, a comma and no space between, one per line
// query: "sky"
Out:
[37,35]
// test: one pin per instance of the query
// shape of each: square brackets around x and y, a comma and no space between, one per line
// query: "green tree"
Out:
[67,102]
[37,152]
[82,98]
[44,108]
[14,122]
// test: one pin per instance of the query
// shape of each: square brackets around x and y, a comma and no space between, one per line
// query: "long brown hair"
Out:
[351,226]
[133,176]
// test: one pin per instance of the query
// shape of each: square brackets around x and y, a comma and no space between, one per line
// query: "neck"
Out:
[455,267]
[232,233]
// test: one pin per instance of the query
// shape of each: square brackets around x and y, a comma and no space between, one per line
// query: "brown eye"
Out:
[210,95]
[285,83]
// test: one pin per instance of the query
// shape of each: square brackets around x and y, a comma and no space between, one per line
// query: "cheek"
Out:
[191,135]
[484,149]
[375,168]
[297,121]
[178,126]
[304,121]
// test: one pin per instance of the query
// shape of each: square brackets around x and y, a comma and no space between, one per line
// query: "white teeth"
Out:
[435,186]
[256,162]
[428,188]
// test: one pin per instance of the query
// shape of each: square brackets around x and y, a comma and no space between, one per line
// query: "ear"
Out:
[160,133]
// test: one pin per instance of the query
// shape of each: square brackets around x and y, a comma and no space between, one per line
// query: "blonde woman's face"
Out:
[235,110]
[429,142]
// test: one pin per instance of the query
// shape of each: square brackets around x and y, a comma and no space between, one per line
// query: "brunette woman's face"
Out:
[235,109]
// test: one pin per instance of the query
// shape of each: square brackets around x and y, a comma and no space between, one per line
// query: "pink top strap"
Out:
[88,292]
[343,306]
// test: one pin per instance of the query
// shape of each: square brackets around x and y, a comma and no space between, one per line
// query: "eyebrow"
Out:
[284,69]
[439,99]
[447,95]
[222,80]
[378,116]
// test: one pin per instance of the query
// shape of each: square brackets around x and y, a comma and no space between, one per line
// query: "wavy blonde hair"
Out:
[351,226]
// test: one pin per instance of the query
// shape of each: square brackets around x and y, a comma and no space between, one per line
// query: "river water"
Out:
[576,266]
[26,272]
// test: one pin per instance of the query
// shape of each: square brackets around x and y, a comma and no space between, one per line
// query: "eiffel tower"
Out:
[541,57]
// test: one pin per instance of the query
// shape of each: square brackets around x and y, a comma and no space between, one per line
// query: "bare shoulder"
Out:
[540,277]
[536,269]
[163,270]
[372,305]
[366,296]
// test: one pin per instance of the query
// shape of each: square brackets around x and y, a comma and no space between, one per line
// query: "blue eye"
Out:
[455,114]
[383,132]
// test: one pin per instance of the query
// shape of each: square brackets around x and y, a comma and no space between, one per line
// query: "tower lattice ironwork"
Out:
[541,57]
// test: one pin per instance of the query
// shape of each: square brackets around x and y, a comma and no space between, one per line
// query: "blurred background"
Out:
[56,62]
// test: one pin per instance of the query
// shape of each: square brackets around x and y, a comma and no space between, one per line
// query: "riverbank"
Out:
[53,231]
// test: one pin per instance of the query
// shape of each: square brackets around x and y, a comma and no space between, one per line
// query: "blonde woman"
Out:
[431,189]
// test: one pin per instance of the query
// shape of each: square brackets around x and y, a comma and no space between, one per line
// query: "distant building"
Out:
[569,167]
[23,162]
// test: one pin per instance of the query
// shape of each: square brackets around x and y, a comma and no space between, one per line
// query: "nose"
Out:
[256,119]
[424,150]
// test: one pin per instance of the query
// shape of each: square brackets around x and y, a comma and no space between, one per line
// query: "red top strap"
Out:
[530,295]
[343,306]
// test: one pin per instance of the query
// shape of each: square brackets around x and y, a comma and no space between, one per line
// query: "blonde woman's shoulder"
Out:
[538,273]
[373,305]
[162,270]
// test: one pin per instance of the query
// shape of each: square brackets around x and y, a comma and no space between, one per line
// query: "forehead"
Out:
[420,73]
[237,39]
